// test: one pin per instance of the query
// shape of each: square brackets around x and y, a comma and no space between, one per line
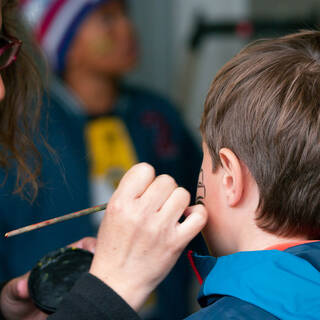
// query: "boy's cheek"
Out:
[209,241]
[215,238]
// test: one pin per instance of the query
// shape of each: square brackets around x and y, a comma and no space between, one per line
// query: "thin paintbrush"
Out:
[56,220]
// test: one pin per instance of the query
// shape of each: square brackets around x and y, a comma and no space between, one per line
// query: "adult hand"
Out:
[140,237]
[15,301]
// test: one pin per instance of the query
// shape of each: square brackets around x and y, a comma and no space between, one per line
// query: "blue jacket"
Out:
[264,285]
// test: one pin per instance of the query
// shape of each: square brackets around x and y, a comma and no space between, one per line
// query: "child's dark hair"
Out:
[265,106]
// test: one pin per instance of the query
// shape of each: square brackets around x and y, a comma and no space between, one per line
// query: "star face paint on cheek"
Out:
[201,189]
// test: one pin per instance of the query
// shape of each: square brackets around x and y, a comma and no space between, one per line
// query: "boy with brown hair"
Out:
[259,184]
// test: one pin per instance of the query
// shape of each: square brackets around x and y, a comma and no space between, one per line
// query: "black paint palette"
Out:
[55,274]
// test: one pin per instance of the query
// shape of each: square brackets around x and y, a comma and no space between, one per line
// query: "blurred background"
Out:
[185,42]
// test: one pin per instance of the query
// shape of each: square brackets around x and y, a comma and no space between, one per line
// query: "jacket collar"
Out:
[270,279]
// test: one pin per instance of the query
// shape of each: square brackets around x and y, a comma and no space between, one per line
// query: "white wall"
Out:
[194,73]
[165,27]
[153,21]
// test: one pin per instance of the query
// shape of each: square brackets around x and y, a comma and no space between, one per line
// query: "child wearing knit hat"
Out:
[55,25]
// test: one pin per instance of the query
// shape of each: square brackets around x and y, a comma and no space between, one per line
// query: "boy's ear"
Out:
[233,182]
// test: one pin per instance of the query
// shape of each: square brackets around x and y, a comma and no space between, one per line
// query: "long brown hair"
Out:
[20,109]
[265,106]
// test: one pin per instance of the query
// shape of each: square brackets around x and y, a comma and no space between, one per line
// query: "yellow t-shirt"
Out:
[111,153]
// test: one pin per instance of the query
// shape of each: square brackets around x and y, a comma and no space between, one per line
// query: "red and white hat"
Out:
[55,23]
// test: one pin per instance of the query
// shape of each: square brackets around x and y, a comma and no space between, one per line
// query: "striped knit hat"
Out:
[55,23]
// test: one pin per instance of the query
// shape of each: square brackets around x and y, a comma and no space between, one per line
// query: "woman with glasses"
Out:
[130,239]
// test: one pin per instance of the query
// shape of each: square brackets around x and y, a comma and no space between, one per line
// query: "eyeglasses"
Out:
[9,49]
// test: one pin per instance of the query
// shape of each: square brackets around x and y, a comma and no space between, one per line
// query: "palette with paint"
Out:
[55,274]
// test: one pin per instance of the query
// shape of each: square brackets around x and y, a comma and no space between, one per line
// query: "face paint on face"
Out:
[201,189]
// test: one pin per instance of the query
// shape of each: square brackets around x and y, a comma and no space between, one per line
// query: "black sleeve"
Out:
[91,299]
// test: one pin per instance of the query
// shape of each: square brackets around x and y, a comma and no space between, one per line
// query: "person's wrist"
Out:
[132,291]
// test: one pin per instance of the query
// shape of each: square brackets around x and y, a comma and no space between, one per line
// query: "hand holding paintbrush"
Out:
[140,233]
